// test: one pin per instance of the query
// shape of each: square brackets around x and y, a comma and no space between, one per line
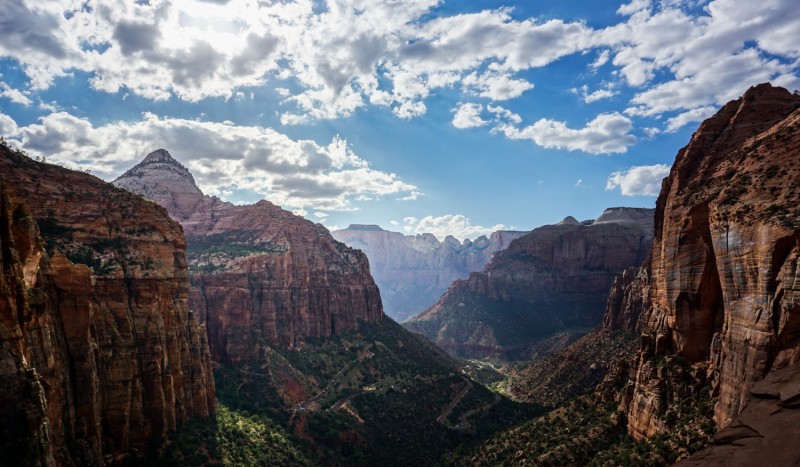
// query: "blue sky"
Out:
[422,115]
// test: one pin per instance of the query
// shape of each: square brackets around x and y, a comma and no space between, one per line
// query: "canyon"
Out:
[260,275]
[100,353]
[554,279]
[718,303]
[413,271]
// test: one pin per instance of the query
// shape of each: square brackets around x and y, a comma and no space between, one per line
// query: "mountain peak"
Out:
[159,155]
[569,220]
[163,180]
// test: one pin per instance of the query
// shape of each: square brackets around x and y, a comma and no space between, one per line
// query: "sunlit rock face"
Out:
[99,353]
[553,279]
[413,271]
[260,275]
[722,292]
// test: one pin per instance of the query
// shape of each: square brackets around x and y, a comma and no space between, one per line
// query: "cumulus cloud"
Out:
[690,116]
[707,59]
[589,97]
[456,225]
[222,156]
[14,95]
[644,180]
[468,116]
[329,59]
[605,134]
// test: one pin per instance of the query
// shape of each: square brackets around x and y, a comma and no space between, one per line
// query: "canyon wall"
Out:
[99,352]
[260,275]
[720,304]
[554,279]
[413,271]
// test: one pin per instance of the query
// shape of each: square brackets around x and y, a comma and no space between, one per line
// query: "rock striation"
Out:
[260,276]
[554,278]
[720,303]
[413,271]
[99,354]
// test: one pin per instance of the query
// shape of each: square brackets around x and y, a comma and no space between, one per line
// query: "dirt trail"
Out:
[303,405]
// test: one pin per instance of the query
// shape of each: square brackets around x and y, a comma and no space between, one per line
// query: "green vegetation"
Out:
[231,437]
[210,253]
[369,397]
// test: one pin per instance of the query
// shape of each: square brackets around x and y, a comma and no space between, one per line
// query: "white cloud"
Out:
[579,183]
[504,115]
[329,59]
[607,133]
[633,7]
[14,95]
[589,97]
[291,173]
[394,222]
[321,215]
[413,196]
[601,59]
[708,59]
[456,225]
[642,180]
[690,116]
[8,127]
[468,116]
[496,86]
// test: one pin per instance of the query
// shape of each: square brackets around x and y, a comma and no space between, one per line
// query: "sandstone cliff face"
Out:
[413,271]
[261,276]
[724,281]
[554,278]
[100,353]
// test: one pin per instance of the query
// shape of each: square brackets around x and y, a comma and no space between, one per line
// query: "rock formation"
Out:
[99,354]
[723,285]
[413,271]
[260,275]
[554,278]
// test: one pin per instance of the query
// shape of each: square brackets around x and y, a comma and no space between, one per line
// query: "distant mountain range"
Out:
[413,271]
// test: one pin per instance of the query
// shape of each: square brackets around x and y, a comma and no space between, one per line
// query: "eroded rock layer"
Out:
[261,276]
[553,279]
[100,354]
[413,271]
[724,280]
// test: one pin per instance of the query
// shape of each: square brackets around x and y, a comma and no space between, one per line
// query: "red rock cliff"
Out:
[724,280]
[261,275]
[100,353]
[554,278]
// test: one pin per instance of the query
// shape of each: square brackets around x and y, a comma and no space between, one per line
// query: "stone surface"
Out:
[261,276]
[100,354]
[724,284]
[557,277]
[413,271]
[765,433]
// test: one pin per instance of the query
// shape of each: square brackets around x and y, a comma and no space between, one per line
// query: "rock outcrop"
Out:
[554,278]
[724,284]
[413,271]
[261,276]
[99,354]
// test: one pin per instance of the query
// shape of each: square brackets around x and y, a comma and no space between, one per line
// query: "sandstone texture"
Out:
[723,285]
[413,271]
[767,430]
[260,276]
[99,354]
[553,279]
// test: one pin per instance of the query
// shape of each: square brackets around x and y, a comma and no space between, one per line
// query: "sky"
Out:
[449,117]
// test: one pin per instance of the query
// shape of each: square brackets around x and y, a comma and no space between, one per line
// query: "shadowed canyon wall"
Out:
[100,353]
